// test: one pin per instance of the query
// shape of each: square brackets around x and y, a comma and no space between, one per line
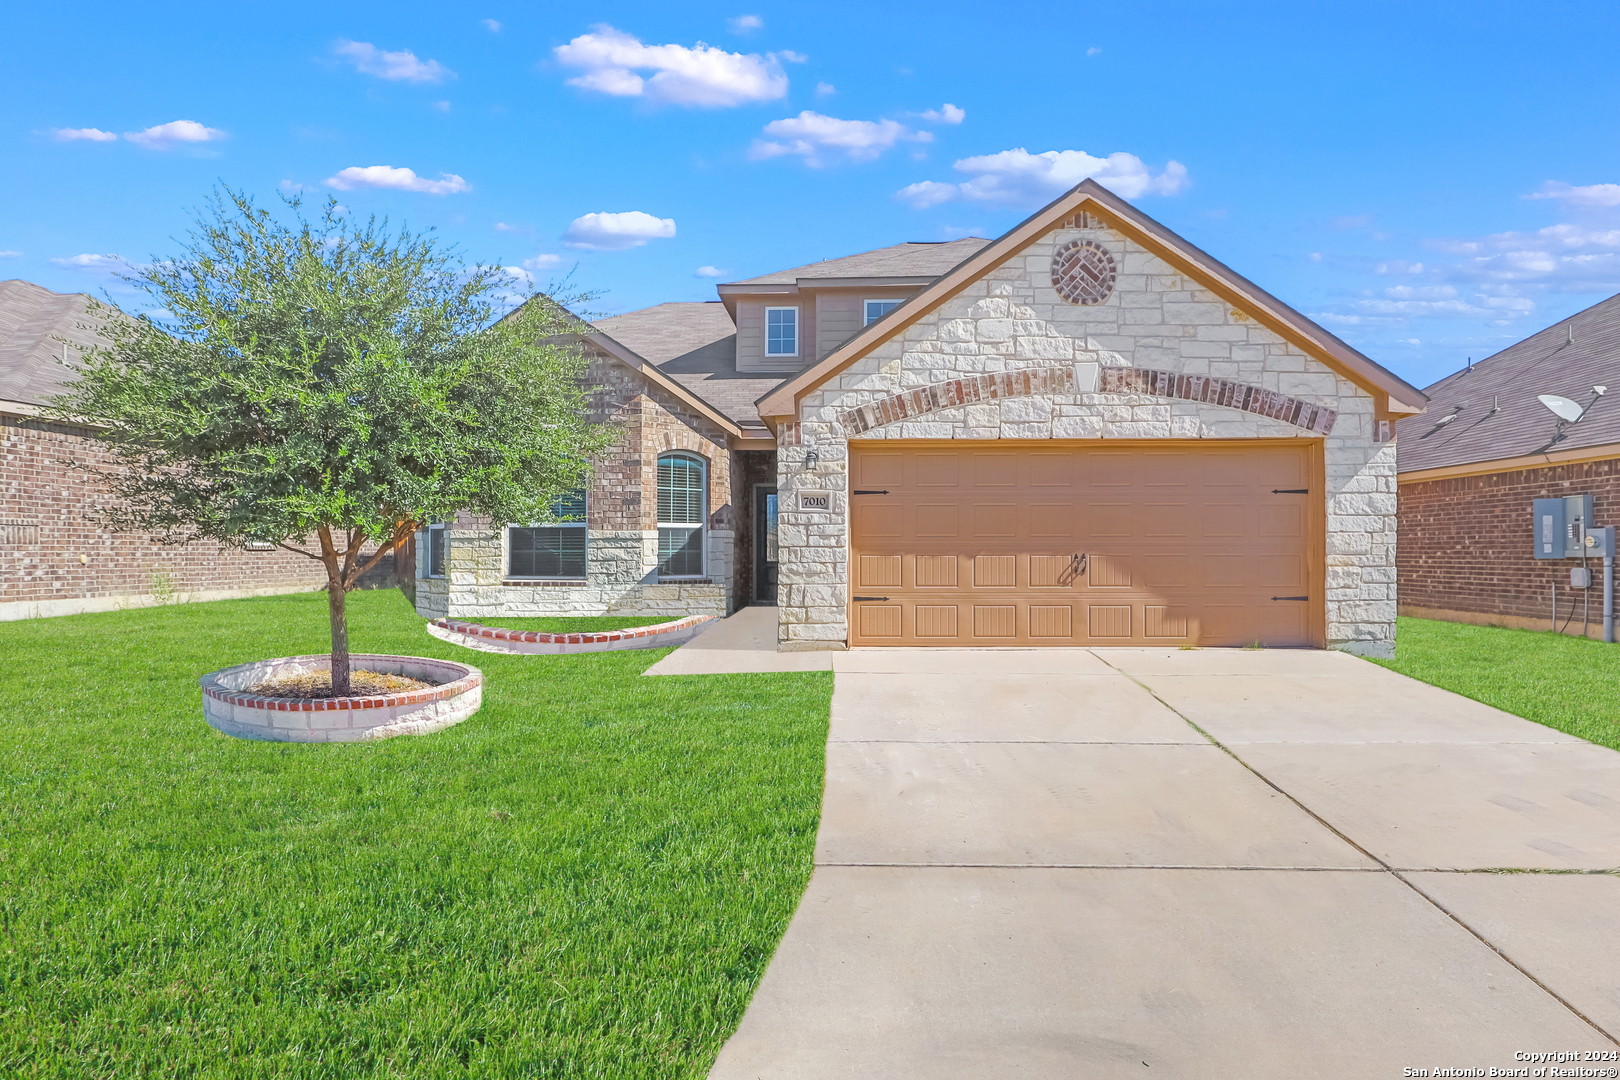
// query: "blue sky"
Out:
[1430,181]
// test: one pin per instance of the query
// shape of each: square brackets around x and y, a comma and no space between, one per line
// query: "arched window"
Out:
[682,508]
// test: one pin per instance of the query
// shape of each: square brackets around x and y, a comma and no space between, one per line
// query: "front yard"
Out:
[587,878]
[1568,683]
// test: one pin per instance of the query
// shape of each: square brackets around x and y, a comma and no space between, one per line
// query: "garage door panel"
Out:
[1180,545]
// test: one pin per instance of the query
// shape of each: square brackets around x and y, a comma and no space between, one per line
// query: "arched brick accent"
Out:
[1028,382]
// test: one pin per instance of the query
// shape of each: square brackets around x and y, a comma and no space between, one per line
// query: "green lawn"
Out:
[571,624]
[1568,683]
[586,878]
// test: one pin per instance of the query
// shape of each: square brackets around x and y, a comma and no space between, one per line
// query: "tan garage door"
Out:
[1207,543]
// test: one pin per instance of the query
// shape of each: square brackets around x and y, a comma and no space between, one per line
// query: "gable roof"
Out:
[696,345]
[1398,395]
[914,259]
[1497,416]
[32,318]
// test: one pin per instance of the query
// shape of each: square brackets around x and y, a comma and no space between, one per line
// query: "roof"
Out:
[31,320]
[1496,414]
[914,259]
[1397,393]
[696,345]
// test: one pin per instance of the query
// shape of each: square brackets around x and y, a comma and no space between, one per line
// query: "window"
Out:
[781,331]
[550,551]
[682,506]
[876,309]
[435,551]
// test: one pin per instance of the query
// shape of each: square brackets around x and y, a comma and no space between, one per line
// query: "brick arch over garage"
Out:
[1029,382]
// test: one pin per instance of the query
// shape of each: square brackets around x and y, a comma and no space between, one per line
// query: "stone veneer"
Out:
[1012,320]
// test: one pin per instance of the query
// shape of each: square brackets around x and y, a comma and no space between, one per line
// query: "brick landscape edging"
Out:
[495,639]
[277,719]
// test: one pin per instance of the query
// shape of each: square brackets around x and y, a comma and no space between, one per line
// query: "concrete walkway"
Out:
[1037,863]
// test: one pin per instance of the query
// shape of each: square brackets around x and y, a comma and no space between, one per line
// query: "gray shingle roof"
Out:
[31,319]
[1508,383]
[900,260]
[696,345]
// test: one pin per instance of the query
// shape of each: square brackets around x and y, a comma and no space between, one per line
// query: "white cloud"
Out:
[1561,258]
[1019,178]
[398,66]
[825,89]
[702,76]
[10,254]
[1093,51]
[441,106]
[1591,195]
[399,179]
[82,135]
[491,25]
[945,114]
[709,272]
[501,226]
[745,24]
[163,136]
[793,57]
[293,187]
[810,134]
[102,265]
[617,232]
[542,262]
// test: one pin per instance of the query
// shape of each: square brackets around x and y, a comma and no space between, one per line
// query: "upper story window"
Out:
[781,331]
[550,551]
[682,508]
[876,309]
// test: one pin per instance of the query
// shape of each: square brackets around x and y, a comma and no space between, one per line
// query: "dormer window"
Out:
[781,331]
[876,309]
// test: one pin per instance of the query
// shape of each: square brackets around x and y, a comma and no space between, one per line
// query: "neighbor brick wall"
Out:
[1466,543]
[48,521]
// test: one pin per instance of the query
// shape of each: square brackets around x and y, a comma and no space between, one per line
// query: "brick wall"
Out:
[1466,550]
[56,556]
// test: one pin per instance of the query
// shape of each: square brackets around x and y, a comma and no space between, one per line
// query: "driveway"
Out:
[1203,863]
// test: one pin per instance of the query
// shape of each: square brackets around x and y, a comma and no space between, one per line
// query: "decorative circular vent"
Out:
[1083,273]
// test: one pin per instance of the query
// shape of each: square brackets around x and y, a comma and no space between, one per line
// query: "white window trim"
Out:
[427,553]
[798,331]
[895,300]
[702,526]
[507,552]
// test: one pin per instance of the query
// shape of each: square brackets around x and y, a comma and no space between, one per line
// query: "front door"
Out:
[765,537]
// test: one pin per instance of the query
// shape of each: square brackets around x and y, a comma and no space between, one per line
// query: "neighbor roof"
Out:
[31,320]
[1493,404]
[696,345]
[1260,305]
[914,259]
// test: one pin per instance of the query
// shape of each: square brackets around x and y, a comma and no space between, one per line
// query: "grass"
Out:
[586,878]
[1568,683]
[572,624]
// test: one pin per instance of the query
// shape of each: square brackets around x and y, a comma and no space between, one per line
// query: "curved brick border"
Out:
[1026,382]
[458,694]
[533,642]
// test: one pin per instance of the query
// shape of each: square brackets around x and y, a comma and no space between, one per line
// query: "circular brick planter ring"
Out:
[457,694]
[533,642]
[1083,273]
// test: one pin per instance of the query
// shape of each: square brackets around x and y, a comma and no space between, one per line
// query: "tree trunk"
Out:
[336,595]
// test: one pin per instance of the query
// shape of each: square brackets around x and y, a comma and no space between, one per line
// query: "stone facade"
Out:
[1025,364]
[621,553]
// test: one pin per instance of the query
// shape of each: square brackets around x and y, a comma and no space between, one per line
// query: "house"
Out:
[56,558]
[1084,432]
[1470,470]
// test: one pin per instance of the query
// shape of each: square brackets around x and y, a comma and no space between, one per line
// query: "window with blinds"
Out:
[682,508]
[550,551]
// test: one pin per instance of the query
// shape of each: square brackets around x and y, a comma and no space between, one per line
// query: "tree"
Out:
[327,378]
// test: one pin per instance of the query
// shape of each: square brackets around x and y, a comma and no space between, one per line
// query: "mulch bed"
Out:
[318,684]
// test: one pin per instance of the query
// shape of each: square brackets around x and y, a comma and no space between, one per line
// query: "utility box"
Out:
[1580,577]
[1560,525]
[1600,543]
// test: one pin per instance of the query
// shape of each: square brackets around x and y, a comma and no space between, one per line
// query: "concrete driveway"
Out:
[1192,864]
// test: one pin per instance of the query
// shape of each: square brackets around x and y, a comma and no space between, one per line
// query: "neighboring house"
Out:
[1471,468]
[1085,432]
[56,558]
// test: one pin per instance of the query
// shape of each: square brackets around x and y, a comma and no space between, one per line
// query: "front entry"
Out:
[1210,542]
[765,544]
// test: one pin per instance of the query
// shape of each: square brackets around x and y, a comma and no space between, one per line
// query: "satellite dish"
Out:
[1562,407]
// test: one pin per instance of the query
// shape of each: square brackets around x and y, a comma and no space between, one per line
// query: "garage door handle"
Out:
[1290,598]
[868,491]
[858,599]
[1280,491]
